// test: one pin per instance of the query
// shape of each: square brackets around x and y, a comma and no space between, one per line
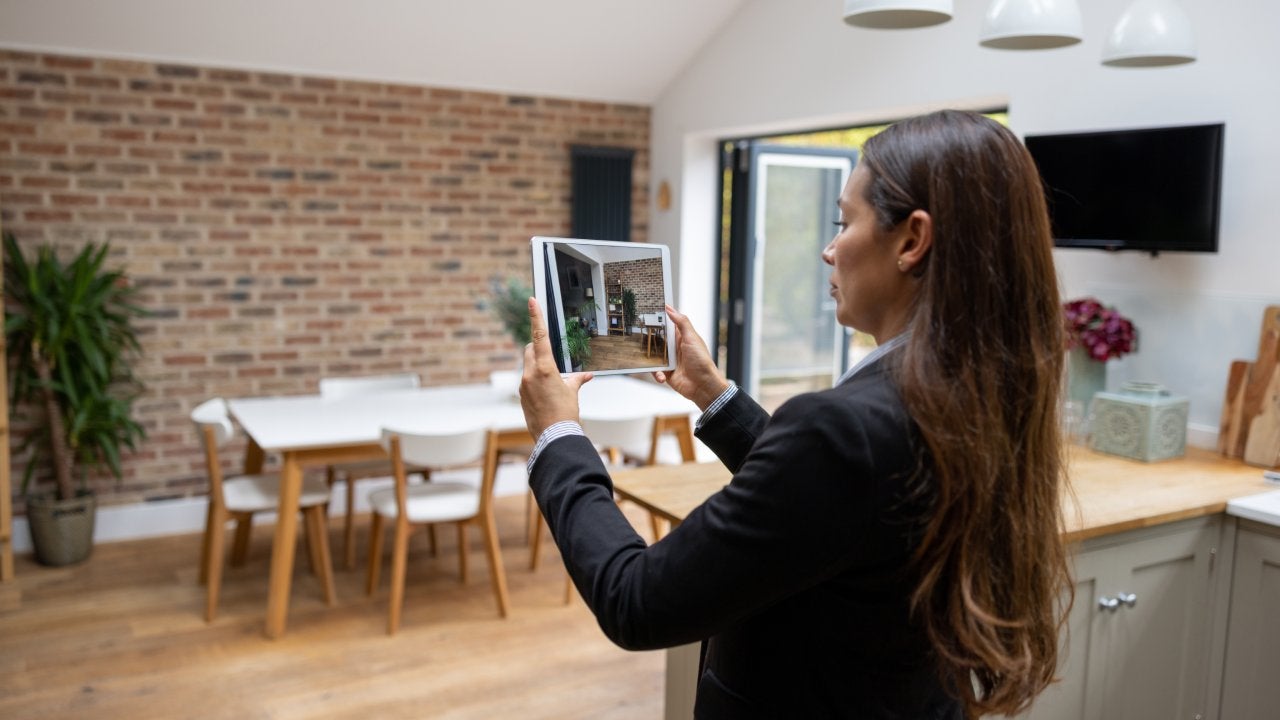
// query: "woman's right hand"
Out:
[695,375]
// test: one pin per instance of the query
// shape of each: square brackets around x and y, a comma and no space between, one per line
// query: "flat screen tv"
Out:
[1149,189]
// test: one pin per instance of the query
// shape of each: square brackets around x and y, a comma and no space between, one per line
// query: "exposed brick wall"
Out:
[285,228]
[644,278]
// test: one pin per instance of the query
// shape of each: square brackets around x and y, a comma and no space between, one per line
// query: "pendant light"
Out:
[1151,33]
[1031,24]
[896,14]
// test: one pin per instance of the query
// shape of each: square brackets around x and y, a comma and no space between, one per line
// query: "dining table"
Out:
[312,431]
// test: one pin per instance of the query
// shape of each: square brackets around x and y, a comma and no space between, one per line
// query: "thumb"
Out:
[577,380]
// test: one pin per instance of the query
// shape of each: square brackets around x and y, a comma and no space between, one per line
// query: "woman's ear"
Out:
[915,239]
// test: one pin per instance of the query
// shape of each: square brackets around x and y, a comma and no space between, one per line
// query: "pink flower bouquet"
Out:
[1101,331]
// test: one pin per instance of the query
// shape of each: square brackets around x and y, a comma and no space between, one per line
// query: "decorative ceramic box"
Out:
[1142,421]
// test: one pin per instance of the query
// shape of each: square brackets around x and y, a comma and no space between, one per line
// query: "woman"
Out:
[888,548]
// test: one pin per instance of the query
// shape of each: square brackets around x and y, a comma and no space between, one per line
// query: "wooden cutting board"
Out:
[1248,391]
[1263,444]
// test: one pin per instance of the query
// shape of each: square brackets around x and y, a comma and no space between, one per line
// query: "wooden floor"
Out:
[122,636]
[611,352]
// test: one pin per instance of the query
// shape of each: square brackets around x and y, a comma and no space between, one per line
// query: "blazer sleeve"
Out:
[802,507]
[734,429]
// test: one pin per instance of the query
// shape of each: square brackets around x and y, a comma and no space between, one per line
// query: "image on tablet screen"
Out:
[605,304]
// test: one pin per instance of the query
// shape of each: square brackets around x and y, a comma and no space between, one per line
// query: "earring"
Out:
[900,267]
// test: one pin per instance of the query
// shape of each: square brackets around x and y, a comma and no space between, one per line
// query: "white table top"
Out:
[309,421]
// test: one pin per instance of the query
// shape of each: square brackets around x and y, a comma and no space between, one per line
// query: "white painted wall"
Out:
[794,65]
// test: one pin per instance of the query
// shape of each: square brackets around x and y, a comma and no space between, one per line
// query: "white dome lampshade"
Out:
[896,14]
[1151,33]
[1031,24]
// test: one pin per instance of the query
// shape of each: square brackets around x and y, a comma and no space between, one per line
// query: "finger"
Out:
[660,376]
[538,332]
[577,380]
[683,325]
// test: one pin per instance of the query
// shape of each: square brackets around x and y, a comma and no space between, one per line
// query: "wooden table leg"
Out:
[283,545]
[254,458]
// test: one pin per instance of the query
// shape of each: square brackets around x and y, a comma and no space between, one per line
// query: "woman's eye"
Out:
[840,224]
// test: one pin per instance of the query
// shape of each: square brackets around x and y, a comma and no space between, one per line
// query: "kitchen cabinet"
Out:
[1253,627]
[1140,641]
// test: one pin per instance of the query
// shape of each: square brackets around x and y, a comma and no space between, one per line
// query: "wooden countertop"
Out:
[1113,494]
[1108,494]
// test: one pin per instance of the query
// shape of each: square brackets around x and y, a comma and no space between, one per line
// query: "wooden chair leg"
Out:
[240,547]
[399,558]
[213,564]
[205,542]
[497,572]
[318,540]
[532,516]
[375,554]
[462,553]
[349,526]
[536,543]
[431,535]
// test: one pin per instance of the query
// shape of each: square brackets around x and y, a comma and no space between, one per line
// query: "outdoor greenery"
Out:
[71,338]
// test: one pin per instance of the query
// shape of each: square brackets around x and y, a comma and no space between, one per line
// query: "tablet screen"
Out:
[605,304]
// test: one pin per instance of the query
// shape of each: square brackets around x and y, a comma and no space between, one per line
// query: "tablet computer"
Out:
[605,304]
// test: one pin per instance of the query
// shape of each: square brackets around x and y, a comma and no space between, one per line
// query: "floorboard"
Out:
[122,636]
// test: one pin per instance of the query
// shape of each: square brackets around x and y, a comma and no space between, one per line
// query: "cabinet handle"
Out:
[1108,603]
[1127,599]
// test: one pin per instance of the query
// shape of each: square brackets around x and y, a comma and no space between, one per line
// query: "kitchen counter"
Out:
[1110,494]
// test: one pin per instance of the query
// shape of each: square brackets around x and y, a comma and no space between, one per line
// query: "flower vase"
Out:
[1085,376]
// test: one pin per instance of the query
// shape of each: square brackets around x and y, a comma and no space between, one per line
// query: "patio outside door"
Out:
[782,336]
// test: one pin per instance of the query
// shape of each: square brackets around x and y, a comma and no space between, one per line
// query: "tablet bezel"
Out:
[555,313]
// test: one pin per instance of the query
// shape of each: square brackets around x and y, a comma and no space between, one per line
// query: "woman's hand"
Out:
[545,396]
[695,375]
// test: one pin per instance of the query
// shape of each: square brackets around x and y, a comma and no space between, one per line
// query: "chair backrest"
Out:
[443,449]
[333,388]
[213,423]
[213,414]
[633,436]
[438,450]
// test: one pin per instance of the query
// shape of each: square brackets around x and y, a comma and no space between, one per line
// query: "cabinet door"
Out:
[1081,653]
[1159,640]
[1249,687]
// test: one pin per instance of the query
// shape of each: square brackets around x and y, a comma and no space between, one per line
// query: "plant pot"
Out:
[61,530]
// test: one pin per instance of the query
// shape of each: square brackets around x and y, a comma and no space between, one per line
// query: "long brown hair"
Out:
[981,376]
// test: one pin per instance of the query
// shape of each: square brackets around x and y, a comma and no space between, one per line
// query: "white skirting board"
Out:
[187,515]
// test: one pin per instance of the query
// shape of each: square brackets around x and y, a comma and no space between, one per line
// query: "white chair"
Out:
[336,388]
[439,501]
[239,497]
[631,440]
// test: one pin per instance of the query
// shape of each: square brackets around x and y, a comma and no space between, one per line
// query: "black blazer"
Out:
[794,574]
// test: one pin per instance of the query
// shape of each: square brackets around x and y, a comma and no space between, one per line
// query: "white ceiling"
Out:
[611,50]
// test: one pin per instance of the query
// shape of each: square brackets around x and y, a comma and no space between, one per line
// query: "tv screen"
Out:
[1151,189]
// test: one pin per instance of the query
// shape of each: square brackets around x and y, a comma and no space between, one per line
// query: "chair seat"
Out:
[432,502]
[255,493]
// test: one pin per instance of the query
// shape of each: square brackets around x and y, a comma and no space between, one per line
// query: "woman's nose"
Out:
[828,256]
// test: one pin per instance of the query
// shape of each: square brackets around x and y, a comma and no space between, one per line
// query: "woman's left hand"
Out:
[546,397]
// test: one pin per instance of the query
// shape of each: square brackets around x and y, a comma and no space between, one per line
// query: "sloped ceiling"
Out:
[608,50]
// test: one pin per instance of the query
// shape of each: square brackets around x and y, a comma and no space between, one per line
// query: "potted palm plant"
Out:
[69,329]
[578,343]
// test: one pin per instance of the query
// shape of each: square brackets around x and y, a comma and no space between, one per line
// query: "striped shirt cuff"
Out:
[555,432]
[716,404]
